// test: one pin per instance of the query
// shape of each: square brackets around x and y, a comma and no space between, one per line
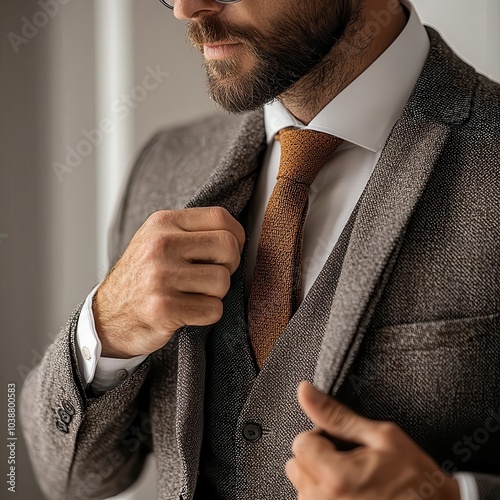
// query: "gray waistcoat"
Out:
[238,430]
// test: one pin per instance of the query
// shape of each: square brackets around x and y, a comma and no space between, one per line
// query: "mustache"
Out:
[210,31]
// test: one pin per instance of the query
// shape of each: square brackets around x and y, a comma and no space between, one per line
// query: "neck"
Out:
[370,33]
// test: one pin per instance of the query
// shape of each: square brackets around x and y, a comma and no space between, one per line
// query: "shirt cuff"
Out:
[102,373]
[88,345]
[111,372]
[467,485]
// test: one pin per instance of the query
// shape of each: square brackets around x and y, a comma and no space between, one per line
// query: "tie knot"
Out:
[304,152]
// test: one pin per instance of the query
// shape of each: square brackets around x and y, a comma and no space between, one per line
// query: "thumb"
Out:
[335,418]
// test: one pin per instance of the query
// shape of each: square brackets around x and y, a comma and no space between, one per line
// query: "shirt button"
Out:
[252,432]
[121,375]
[86,353]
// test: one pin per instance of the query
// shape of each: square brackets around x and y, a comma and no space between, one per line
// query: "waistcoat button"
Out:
[252,432]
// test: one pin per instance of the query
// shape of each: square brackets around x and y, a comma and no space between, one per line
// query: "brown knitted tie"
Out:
[277,281]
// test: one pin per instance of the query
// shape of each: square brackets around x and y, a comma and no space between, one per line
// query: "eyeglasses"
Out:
[170,3]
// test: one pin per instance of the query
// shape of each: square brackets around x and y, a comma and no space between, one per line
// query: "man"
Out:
[346,235]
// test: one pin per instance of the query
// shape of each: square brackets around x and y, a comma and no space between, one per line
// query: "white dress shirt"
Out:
[363,115]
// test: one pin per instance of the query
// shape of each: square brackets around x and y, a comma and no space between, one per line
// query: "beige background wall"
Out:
[52,243]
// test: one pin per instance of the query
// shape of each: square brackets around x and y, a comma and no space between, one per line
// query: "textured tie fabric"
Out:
[277,281]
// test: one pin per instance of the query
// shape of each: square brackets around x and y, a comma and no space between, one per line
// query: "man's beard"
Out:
[299,41]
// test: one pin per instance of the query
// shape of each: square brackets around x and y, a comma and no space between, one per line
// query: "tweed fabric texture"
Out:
[79,463]
[225,471]
[229,377]
[412,334]
[276,287]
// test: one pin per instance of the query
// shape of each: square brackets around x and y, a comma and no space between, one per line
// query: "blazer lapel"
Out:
[230,186]
[231,183]
[442,98]
[387,204]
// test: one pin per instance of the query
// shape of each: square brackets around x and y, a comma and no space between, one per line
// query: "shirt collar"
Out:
[365,112]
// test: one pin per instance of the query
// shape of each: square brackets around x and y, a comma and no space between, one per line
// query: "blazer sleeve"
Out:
[80,445]
[488,486]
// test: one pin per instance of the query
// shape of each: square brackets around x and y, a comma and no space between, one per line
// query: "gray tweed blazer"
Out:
[413,333]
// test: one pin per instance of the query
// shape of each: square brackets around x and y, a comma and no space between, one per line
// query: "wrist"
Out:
[110,348]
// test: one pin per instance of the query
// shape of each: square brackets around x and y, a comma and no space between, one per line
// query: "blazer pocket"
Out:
[454,333]
[439,380]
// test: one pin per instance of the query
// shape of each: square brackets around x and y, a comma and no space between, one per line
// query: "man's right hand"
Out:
[175,272]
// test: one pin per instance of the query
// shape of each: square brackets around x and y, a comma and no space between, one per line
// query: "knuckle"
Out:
[223,281]
[214,310]
[228,241]
[218,215]
[160,243]
[184,312]
[153,246]
[159,218]
[388,431]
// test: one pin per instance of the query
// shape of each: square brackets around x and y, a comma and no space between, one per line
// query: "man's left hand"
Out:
[387,465]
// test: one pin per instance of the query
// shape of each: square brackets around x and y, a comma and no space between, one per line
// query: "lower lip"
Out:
[220,51]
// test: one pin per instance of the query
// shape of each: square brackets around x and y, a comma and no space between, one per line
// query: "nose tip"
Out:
[190,9]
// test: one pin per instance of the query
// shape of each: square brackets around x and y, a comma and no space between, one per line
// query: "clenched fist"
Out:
[175,272]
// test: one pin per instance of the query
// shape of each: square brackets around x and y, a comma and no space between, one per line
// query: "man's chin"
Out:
[238,86]
[234,99]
